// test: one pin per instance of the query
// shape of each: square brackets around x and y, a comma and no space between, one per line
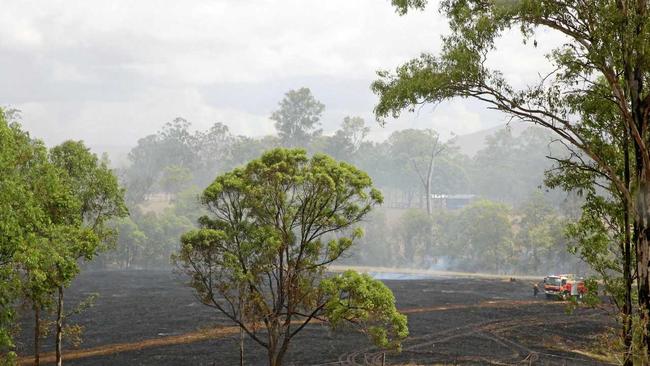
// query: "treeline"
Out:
[506,170]
[484,236]
[168,170]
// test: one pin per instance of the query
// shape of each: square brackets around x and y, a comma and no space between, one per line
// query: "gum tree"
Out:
[100,199]
[604,60]
[416,150]
[21,213]
[261,254]
[36,217]
[298,118]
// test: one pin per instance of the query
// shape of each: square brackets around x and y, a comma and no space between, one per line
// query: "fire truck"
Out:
[564,286]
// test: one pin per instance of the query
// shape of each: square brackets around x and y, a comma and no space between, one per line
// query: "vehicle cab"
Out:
[564,286]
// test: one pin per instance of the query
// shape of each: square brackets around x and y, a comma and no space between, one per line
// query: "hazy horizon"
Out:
[111,73]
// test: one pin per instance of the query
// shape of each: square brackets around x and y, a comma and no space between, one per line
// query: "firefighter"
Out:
[535,289]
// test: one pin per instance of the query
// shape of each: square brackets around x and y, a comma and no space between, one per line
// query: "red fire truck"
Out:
[564,286]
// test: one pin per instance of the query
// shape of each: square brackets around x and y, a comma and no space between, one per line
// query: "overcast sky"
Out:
[110,72]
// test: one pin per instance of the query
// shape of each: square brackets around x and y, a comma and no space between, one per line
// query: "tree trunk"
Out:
[535,261]
[241,330]
[627,259]
[59,328]
[37,335]
[634,72]
[276,357]
[276,348]
[642,271]
[428,185]
[643,250]
[642,220]
[241,347]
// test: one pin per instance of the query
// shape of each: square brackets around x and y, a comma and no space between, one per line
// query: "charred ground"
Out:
[150,318]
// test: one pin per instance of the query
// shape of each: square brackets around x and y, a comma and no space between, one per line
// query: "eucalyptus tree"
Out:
[415,231]
[130,242]
[484,240]
[101,199]
[22,160]
[213,148]
[37,214]
[261,254]
[605,59]
[245,149]
[172,145]
[416,151]
[174,179]
[347,140]
[298,118]
[603,233]
[538,233]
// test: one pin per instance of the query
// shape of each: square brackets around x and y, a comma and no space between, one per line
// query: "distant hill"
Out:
[472,143]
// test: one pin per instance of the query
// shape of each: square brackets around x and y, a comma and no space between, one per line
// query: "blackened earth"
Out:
[451,321]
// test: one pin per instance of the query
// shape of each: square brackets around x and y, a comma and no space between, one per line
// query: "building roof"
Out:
[454,196]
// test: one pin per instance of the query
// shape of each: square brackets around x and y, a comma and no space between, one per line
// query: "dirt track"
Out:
[149,318]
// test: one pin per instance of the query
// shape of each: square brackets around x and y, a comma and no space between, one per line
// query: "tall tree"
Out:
[605,59]
[23,217]
[348,139]
[101,199]
[38,221]
[298,118]
[416,150]
[174,179]
[415,231]
[213,148]
[267,242]
[538,229]
[173,145]
[485,236]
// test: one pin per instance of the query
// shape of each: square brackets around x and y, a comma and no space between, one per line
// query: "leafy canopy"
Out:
[261,254]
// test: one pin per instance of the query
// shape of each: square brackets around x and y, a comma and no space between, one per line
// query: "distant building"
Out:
[452,201]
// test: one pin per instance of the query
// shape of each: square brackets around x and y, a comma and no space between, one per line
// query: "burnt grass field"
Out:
[151,318]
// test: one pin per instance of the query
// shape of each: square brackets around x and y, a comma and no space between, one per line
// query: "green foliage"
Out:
[510,167]
[36,208]
[147,240]
[595,99]
[269,237]
[542,244]
[245,149]
[100,199]
[410,153]
[52,213]
[298,118]
[161,233]
[187,204]
[175,178]
[347,140]
[360,299]
[130,242]
[485,237]
[415,231]
[376,247]
[173,156]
